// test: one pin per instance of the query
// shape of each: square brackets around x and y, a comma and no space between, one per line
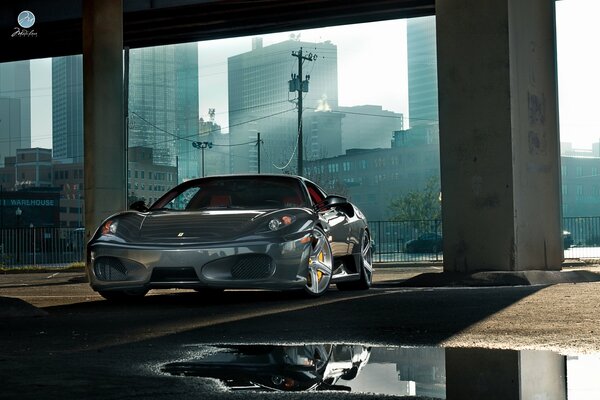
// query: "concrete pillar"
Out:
[499,141]
[104,133]
[505,374]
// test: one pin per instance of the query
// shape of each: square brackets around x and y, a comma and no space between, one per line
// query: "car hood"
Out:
[178,227]
[203,225]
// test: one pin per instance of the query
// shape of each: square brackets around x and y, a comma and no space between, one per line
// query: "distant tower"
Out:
[422,71]
[67,108]
[163,104]
[15,108]
[259,101]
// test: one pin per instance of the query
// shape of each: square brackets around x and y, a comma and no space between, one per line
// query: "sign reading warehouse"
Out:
[25,209]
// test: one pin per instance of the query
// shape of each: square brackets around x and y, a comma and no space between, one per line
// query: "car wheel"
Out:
[123,295]
[320,265]
[365,267]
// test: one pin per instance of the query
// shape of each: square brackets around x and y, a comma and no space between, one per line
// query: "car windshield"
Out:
[234,192]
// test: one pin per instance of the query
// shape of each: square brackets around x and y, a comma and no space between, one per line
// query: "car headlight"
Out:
[109,227]
[281,222]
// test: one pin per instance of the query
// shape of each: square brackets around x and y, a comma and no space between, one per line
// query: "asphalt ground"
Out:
[61,340]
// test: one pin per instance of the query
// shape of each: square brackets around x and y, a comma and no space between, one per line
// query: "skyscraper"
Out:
[422,71]
[163,104]
[260,101]
[67,109]
[15,108]
[369,126]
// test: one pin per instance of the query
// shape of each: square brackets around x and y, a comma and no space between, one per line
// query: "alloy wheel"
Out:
[320,264]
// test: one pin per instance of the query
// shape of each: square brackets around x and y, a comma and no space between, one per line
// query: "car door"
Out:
[335,217]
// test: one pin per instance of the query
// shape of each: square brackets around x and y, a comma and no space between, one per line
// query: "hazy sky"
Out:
[372,70]
[578,33]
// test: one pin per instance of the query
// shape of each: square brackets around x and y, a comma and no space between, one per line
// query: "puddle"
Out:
[432,372]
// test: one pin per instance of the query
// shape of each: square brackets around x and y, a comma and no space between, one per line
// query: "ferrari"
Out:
[277,232]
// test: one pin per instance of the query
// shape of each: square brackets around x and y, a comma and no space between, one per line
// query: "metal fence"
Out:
[391,237]
[50,247]
[394,241]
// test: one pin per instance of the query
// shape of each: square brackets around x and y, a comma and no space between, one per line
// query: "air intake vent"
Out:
[253,266]
[110,269]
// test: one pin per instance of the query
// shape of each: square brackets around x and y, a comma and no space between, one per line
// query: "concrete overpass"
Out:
[499,138]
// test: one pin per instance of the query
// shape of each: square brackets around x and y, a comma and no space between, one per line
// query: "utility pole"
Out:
[300,85]
[258,143]
[202,146]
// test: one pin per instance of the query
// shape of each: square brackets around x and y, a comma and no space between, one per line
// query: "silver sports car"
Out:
[276,232]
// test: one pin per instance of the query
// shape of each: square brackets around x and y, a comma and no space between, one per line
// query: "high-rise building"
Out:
[67,109]
[10,126]
[15,107]
[422,71]
[163,105]
[369,126]
[260,100]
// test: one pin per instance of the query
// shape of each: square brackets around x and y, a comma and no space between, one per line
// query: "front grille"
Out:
[179,274]
[110,269]
[252,266]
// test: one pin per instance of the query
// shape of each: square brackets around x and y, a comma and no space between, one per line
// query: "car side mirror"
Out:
[139,205]
[330,201]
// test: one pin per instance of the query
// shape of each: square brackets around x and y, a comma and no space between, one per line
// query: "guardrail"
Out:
[57,247]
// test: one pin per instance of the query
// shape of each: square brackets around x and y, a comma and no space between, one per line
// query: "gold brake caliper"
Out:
[321,258]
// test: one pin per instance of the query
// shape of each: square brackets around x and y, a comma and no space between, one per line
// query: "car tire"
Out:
[123,295]
[320,265]
[365,268]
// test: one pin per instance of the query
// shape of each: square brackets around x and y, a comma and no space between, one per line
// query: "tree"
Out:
[422,204]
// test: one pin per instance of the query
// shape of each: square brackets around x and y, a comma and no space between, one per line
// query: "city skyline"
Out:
[578,79]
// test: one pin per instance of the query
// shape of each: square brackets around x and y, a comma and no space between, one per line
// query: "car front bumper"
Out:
[248,264]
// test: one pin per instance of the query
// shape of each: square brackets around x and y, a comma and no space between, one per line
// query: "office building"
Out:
[373,178]
[261,100]
[15,107]
[67,109]
[422,71]
[163,104]
[369,126]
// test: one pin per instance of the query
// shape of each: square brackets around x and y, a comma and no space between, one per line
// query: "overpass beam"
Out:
[499,139]
[104,133]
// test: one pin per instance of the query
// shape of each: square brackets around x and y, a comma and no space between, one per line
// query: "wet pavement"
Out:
[433,372]
[419,342]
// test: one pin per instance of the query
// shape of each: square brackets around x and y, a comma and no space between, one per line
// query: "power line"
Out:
[187,138]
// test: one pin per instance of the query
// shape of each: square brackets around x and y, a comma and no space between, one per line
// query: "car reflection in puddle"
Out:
[434,372]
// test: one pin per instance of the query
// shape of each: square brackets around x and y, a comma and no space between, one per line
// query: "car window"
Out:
[181,201]
[316,194]
[236,192]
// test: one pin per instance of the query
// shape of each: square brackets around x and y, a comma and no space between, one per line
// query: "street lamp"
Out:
[202,146]
[18,213]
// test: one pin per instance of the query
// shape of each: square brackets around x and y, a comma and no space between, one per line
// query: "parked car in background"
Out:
[426,243]
[233,232]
